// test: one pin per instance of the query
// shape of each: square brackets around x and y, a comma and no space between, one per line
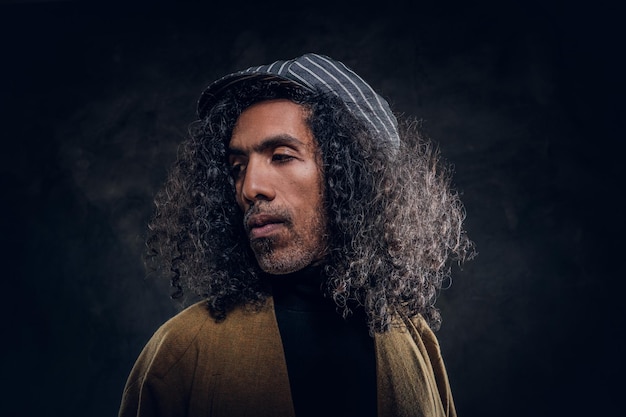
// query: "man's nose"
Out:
[257,182]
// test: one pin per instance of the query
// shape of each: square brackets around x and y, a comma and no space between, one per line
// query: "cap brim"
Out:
[216,90]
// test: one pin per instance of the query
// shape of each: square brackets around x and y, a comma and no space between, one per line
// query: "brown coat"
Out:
[195,367]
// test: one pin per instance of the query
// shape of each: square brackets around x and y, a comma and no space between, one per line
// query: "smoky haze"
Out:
[520,99]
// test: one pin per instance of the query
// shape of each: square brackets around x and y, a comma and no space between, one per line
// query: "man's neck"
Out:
[302,290]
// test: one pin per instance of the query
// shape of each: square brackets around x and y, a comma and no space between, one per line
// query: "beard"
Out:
[281,261]
[294,248]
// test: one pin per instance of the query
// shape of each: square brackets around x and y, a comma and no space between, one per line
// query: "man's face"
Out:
[278,180]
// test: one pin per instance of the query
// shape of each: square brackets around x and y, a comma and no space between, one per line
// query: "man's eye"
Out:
[281,157]
[235,170]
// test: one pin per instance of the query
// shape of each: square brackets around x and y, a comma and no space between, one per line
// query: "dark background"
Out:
[524,99]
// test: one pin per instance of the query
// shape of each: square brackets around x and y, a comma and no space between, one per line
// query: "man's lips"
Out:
[263,225]
[264,231]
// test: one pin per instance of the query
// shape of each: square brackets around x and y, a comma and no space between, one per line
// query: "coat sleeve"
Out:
[194,366]
[154,387]
[161,380]
[412,379]
[424,335]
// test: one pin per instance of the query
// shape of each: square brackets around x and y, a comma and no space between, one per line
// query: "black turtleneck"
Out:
[330,360]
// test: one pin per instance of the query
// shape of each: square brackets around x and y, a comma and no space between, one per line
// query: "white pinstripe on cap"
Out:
[317,73]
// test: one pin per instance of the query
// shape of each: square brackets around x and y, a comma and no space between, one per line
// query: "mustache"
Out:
[264,213]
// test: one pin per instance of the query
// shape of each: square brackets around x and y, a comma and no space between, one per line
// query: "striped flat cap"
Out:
[317,73]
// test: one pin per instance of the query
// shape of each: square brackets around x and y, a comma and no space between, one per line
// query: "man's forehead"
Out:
[275,122]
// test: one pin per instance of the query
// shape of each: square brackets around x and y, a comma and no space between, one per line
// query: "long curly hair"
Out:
[395,223]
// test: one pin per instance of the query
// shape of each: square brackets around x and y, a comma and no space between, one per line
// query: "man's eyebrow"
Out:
[269,143]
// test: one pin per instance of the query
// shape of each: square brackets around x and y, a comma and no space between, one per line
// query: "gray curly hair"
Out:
[395,223]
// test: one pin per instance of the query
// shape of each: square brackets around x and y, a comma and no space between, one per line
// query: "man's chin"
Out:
[281,262]
[278,265]
[278,257]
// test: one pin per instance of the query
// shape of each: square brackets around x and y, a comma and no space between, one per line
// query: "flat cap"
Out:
[317,73]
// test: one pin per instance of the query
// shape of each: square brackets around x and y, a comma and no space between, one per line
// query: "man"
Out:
[318,232]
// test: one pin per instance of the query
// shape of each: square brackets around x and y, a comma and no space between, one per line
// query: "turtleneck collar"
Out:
[301,290]
[319,344]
